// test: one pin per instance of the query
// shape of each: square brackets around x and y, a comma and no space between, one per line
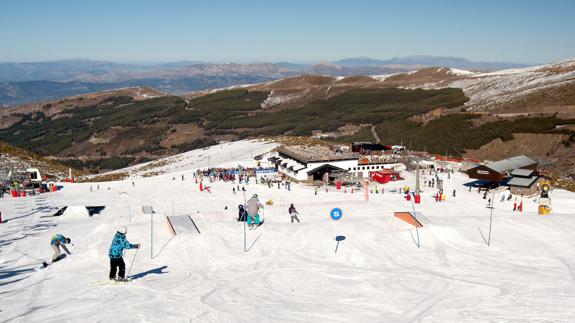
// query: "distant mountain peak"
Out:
[424,60]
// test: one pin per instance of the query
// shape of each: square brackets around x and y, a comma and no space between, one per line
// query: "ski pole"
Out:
[133,259]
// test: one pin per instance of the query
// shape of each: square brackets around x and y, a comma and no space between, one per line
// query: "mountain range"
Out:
[440,110]
[38,81]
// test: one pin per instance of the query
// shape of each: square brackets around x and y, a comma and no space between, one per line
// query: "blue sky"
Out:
[297,31]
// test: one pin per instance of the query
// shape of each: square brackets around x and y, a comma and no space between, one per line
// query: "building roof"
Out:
[308,154]
[511,163]
[522,172]
[522,182]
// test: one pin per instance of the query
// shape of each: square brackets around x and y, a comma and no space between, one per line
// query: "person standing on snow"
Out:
[293,213]
[58,241]
[242,213]
[253,206]
[116,252]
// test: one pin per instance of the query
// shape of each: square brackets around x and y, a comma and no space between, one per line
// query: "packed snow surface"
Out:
[290,272]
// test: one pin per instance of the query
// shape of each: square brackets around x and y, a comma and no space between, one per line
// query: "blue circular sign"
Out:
[336,213]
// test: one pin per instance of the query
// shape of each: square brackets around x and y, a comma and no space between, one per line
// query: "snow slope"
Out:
[489,89]
[290,272]
[228,154]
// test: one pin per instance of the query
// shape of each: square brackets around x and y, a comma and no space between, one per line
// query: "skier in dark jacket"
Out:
[119,243]
[293,213]
[242,213]
[58,241]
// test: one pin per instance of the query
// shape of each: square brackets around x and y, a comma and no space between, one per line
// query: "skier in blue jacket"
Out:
[119,243]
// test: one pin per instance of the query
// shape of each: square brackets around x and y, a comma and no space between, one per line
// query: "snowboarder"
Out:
[116,252]
[58,241]
[253,206]
[293,213]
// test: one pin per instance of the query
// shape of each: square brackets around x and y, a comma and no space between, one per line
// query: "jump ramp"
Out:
[79,210]
[417,221]
[182,224]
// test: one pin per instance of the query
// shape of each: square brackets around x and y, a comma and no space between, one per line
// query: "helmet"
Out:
[68,240]
[122,229]
[255,195]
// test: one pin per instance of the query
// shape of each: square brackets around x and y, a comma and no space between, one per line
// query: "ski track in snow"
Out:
[291,272]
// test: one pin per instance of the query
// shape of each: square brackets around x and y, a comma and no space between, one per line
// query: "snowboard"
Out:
[46,264]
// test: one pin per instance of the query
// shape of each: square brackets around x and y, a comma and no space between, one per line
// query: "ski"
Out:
[111,282]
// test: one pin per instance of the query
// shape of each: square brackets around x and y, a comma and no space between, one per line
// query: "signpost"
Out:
[491,207]
[245,224]
[335,214]
[149,210]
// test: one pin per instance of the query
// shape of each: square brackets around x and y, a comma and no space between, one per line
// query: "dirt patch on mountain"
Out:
[182,133]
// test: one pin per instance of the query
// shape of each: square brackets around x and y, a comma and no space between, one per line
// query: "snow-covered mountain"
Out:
[487,90]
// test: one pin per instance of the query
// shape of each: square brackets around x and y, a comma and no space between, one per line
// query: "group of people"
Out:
[250,213]
[229,174]
[115,252]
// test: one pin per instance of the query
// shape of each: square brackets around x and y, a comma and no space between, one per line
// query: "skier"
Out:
[58,241]
[293,213]
[253,207]
[242,213]
[116,252]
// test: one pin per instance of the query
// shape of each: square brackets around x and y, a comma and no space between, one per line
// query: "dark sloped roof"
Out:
[511,163]
[522,172]
[522,182]
[324,166]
